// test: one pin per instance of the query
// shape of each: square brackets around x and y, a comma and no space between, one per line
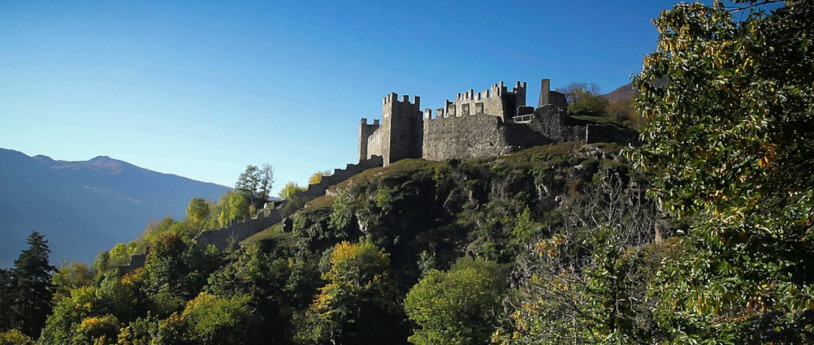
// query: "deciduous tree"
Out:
[730,140]
[459,306]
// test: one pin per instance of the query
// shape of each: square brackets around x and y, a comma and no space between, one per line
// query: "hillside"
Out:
[388,227]
[85,207]
[622,93]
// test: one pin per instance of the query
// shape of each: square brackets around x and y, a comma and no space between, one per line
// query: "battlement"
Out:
[364,122]
[496,101]
[394,98]
[496,90]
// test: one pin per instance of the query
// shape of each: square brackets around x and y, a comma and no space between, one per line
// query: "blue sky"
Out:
[203,88]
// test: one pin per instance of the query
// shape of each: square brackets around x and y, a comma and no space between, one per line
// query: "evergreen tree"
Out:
[32,284]
[6,297]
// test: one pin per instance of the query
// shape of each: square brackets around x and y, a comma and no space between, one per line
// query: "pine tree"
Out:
[32,284]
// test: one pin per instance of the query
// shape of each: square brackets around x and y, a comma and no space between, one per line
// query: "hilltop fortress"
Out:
[484,124]
[487,123]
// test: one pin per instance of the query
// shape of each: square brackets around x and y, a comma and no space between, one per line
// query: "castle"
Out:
[484,124]
[488,123]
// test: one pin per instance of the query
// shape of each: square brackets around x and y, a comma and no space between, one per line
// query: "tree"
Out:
[97,331]
[215,320]
[356,306]
[68,312]
[15,337]
[233,206]
[139,332]
[256,182]
[586,283]
[290,190]
[248,180]
[459,306]
[317,176]
[729,142]
[70,277]
[584,98]
[32,283]
[166,274]
[266,181]
[197,214]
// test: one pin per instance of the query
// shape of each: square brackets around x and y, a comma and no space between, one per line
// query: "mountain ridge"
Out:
[84,207]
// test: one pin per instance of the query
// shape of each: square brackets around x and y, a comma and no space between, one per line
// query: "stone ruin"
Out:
[491,122]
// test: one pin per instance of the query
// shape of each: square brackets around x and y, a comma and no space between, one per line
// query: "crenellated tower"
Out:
[400,133]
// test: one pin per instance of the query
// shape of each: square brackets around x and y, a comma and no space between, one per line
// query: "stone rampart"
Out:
[365,131]
[339,175]
[464,137]
[375,144]
[239,230]
[136,261]
[496,101]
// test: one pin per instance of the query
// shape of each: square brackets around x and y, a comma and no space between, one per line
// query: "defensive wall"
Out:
[464,137]
[238,231]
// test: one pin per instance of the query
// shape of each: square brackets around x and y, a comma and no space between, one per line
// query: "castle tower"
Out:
[402,128]
[365,131]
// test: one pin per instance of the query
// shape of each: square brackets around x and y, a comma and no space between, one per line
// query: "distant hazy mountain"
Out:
[623,92]
[83,208]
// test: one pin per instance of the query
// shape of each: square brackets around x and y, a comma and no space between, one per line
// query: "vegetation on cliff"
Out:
[703,235]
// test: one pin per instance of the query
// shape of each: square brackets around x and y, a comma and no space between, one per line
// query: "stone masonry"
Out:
[491,122]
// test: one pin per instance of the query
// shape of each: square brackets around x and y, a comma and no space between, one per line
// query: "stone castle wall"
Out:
[464,137]
[365,132]
[240,230]
[496,101]
[339,175]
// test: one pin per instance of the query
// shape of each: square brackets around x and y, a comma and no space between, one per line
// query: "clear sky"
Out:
[203,88]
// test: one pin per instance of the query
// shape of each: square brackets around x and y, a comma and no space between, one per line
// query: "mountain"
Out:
[623,92]
[86,207]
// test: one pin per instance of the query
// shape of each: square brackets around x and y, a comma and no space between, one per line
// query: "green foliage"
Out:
[317,176]
[175,273]
[97,331]
[15,337]
[357,303]
[583,98]
[69,312]
[28,293]
[197,214]
[233,206]
[729,141]
[458,306]
[290,190]
[216,320]
[276,289]
[624,113]
[256,182]
[70,277]
[593,268]
[7,298]
[139,332]
[118,255]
